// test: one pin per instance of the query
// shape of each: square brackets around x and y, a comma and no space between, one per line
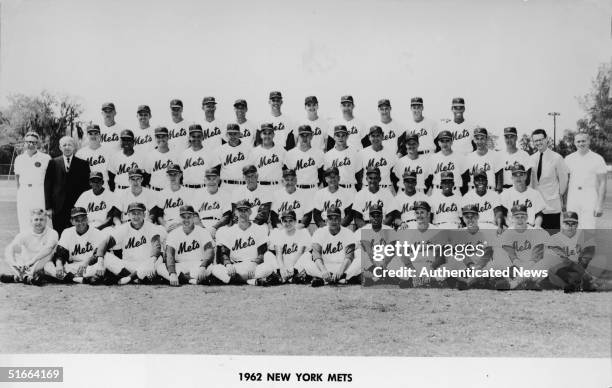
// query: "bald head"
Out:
[67,145]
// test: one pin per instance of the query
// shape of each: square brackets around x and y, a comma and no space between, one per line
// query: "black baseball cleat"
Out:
[8,279]
[355,280]
[588,285]
[502,285]
[405,283]
[33,280]
[317,282]
[462,285]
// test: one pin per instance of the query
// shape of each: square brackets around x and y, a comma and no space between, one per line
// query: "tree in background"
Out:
[566,145]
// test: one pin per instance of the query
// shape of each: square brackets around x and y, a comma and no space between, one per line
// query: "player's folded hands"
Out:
[174,280]
[100,270]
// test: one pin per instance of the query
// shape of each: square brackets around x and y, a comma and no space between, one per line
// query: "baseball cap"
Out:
[372,170]
[96,175]
[570,217]
[311,100]
[232,128]
[93,128]
[32,133]
[288,214]
[409,175]
[77,211]
[186,209]
[211,172]
[340,128]
[136,172]
[445,135]
[384,101]
[334,211]
[275,94]
[195,128]
[304,129]
[416,101]
[375,129]
[480,174]
[510,131]
[240,102]
[176,103]
[519,209]
[143,108]
[136,206]
[469,209]
[249,169]
[243,204]
[161,131]
[288,172]
[422,205]
[480,131]
[412,137]
[209,100]
[108,105]
[127,134]
[332,170]
[447,176]
[267,127]
[347,98]
[376,209]
[458,101]
[173,167]
[518,168]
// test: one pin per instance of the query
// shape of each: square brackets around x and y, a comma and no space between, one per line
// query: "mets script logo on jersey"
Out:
[483,206]
[417,169]
[92,207]
[184,248]
[230,158]
[520,247]
[527,203]
[441,167]
[80,250]
[446,208]
[330,248]
[210,132]
[140,140]
[161,165]
[317,132]
[191,162]
[353,130]
[97,161]
[280,126]
[124,168]
[106,138]
[174,133]
[133,243]
[484,168]
[286,206]
[170,203]
[268,160]
[369,204]
[337,203]
[206,206]
[301,164]
[239,244]
[289,249]
[407,207]
[381,163]
[389,135]
[341,163]
[458,135]
[420,132]
[256,202]
[246,133]
[567,251]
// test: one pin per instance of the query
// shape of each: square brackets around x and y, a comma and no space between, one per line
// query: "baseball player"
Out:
[378,156]
[446,160]
[484,160]
[30,168]
[392,129]
[306,161]
[140,243]
[211,126]
[110,131]
[122,162]
[460,129]
[136,193]
[333,252]
[424,128]
[30,251]
[413,161]
[258,197]
[289,249]
[520,193]
[194,160]
[94,153]
[405,200]
[333,195]
[268,157]
[512,155]
[99,202]
[170,200]
[319,126]
[488,202]
[445,203]
[143,137]
[587,182]
[370,196]
[357,132]
[74,259]
[211,204]
[524,246]
[291,199]
[364,245]
[178,130]
[189,252]
[241,249]
[248,128]
[283,126]
[232,157]
[347,161]
[158,159]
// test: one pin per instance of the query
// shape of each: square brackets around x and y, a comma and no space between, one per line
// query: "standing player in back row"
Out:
[357,131]
[460,129]
[110,131]
[248,128]
[212,128]
[144,135]
[392,129]
[425,128]
[320,127]
[283,125]
[178,129]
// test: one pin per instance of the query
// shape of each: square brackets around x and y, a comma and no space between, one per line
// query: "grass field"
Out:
[298,320]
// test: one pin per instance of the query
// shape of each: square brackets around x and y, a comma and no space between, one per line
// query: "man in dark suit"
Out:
[67,177]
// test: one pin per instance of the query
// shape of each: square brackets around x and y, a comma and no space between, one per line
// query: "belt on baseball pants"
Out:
[195,186]
[268,183]
[233,182]
[306,186]
[122,187]
[346,185]
[508,186]
[488,187]
[209,218]
[423,152]
[156,188]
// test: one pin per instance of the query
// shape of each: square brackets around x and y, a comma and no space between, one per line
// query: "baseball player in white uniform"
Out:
[366,238]
[379,156]
[195,160]
[445,203]
[460,129]
[333,195]
[258,197]
[405,200]
[178,129]
[372,195]
[587,182]
[320,127]
[172,198]
[99,202]
[415,162]
[484,160]
[306,161]
[248,128]
[158,159]
[425,128]
[488,202]
[446,160]
[120,164]
[144,135]
[189,252]
[30,251]
[283,125]
[268,157]
[30,168]
[512,155]
[135,193]
[211,126]
[290,198]
[392,129]
[110,130]
[232,157]
[347,161]
[357,131]
[96,155]
[521,194]
[212,204]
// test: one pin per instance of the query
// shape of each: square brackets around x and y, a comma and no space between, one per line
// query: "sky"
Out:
[512,60]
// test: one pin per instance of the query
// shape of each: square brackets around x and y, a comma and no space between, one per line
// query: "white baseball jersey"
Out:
[333,247]
[283,126]
[489,162]
[391,132]
[306,165]
[445,209]
[242,244]
[524,242]
[170,201]
[97,206]
[156,163]
[120,164]
[346,161]
[232,160]
[489,201]
[81,247]
[248,129]
[97,160]
[384,159]
[341,198]
[269,162]
[462,135]
[32,169]
[178,136]
[320,132]
[144,139]
[357,130]
[583,170]
[427,130]
[365,199]
[188,248]
[404,203]
[110,137]
[570,247]
[420,166]
[211,206]
[136,244]
[125,197]
[299,201]
[194,165]
[453,162]
[261,195]
[213,132]
[31,243]
[508,160]
[290,244]
[530,198]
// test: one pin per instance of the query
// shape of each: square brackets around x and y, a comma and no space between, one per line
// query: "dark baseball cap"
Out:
[416,101]
[108,105]
[275,94]
[288,172]
[447,176]
[209,100]
[332,170]
[186,209]
[288,214]
[211,172]
[570,217]
[334,211]
[176,103]
[136,172]
[240,102]
[347,98]
[136,206]
[267,127]
[412,137]
[445,135]
[96,175]
[384,101]
[311,100]
[304,129]
[409,175]
[77,211]
[127,134]
[519,209]
[340,128]
[480,174]
[243,204]
[195,128]
[510,131]
[480,131]
[372,170]
[173,167]
[517,167]
[232,128]
[93,128]
[161,131]
[249,169]
[376,209]
[469,209]
[458,101]
[143,108]
[375,129]
[422,205]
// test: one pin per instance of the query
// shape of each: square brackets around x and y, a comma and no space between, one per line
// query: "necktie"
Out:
[68,163]
[540,166]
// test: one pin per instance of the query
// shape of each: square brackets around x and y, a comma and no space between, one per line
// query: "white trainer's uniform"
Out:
[582,186]
[31,192]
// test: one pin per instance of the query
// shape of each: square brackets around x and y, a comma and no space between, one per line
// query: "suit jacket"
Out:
[553,181]
[62,188]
